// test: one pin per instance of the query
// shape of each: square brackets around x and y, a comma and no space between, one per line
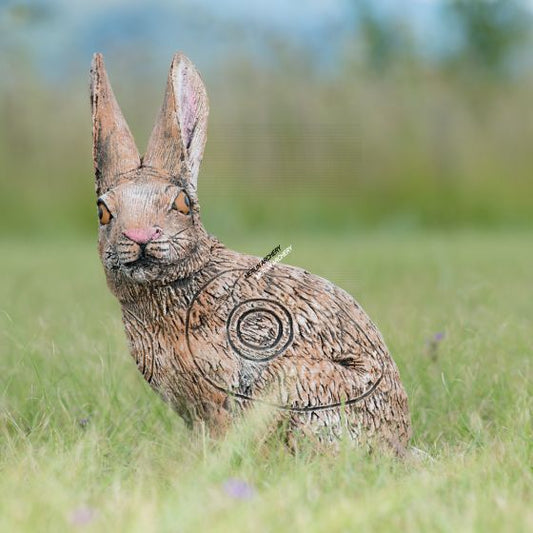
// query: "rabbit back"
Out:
[297,342]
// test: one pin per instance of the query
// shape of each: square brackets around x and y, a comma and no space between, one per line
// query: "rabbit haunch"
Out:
[211,340]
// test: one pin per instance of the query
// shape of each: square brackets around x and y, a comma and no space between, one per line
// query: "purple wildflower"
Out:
[82,516]
[433,344]
[238,489]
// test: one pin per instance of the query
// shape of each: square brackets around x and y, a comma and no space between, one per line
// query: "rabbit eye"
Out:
[182,203]
[104,214]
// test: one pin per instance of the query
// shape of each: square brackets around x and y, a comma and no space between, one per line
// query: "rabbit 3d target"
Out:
[210,339]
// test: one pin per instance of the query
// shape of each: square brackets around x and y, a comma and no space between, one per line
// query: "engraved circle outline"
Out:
[245,397]
[262,310]
[272,350]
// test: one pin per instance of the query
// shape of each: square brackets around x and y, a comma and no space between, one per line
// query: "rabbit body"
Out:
[209,337]
[219,341]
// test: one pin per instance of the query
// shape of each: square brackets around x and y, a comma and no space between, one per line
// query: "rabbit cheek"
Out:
[183,245]
[107,249]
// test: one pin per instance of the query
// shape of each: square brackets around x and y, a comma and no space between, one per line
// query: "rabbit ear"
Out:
[114,150]
[178,138]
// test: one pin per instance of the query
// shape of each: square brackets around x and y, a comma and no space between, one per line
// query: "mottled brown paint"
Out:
[114,150]
[210,339]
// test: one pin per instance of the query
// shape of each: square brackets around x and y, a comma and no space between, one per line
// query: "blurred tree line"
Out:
[390,137]
[489,34]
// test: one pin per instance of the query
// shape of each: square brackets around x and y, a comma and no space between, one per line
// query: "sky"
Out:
[69,31]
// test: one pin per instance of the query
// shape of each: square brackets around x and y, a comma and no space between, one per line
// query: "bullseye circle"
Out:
[259,329]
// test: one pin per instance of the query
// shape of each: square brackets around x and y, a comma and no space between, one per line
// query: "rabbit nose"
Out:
[142,235]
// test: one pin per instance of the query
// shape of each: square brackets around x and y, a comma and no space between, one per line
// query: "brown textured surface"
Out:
[114,150]
[210,339]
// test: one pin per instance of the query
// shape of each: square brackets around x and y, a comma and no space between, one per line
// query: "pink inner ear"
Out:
[189,105]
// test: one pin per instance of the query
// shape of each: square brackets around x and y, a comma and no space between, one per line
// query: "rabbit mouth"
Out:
[140,262]
[142,257]
[142,269]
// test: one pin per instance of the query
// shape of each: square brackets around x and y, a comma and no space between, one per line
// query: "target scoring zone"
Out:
[259,329]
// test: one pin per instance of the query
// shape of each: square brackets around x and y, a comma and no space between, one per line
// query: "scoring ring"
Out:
[259,329]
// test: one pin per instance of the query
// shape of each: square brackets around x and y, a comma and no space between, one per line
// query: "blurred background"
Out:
[326,115]
[390,142]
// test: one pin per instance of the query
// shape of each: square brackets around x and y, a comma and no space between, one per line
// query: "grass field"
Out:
[85,444]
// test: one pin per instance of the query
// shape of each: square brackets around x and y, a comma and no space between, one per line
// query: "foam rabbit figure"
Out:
[208,337]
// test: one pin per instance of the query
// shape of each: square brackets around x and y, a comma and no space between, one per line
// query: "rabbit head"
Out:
[150,228]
